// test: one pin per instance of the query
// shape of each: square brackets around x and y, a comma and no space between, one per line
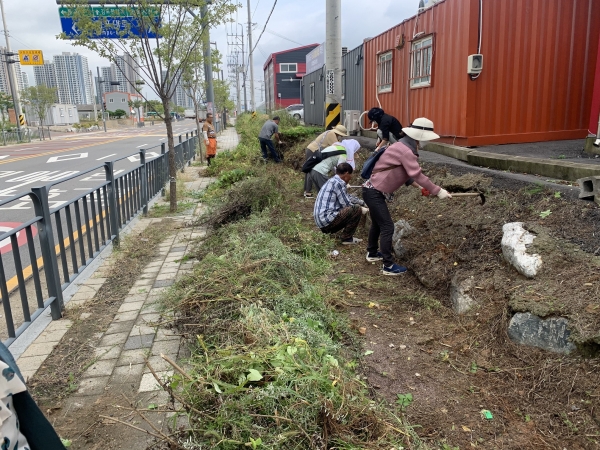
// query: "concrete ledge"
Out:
[589,145]
[453,151]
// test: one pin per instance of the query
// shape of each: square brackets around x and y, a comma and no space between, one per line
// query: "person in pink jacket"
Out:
[397,166]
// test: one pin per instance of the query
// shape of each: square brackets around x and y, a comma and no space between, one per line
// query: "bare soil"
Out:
[456,366]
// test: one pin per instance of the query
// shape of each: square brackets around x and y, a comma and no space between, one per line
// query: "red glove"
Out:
[425,192]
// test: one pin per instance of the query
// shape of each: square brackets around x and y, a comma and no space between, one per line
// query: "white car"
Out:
[296,111]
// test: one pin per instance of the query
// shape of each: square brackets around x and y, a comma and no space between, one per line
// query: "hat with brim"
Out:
[340,130]
[421,130]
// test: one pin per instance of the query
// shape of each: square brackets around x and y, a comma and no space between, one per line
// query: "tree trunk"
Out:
[172,165]
[199,129]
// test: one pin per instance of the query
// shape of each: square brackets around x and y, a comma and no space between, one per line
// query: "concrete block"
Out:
[100,368]
[586,188]
[94,282]
[163,275]
[119,327]
[126,316]
[163,283]
[149,383]
[148,319]
[167,335]
[137,356]
[92,386]
[31,363]
[72,304]
[137,342]
[135,298]
[132,306]
[39,349]
[142,330]
[158,364]
[131,373]
[453,151]
[113,339]
[111,352]
[168,348]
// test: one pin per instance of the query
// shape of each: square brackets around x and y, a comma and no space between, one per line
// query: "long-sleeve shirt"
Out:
[332,198]
[395,167]
[389,124]
[324,140]
[329,164]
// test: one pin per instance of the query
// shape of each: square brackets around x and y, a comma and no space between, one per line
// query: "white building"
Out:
[73,80]
[4,80]
[57,114]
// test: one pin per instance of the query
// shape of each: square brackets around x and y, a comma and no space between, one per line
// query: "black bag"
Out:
[369,164]
[317,157]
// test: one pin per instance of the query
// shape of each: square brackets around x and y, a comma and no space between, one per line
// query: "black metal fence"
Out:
[60,242]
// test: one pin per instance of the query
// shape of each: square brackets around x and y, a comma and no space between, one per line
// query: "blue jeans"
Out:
[268,144]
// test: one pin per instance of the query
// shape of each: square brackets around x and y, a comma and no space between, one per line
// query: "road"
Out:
[38,163]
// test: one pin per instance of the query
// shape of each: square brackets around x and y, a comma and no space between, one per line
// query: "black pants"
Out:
[267,144]
[308,182]
[382,225]
[346,221]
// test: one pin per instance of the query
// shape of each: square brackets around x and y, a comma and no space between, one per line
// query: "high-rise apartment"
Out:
[25,79]
[4,81]
[45,74]
[72,79]
[126,71]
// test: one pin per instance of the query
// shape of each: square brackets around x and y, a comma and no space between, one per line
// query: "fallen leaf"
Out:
[467,429]
[362,330]
[368,352]
[591,308]
[350,292]
[373,305]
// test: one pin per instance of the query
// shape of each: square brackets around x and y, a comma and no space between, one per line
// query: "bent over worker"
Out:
[393,169]
[210,138]
[335,210]
[268,131]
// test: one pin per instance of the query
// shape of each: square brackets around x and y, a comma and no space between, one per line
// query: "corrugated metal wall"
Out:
[314,113]
[353,65]
[537,81]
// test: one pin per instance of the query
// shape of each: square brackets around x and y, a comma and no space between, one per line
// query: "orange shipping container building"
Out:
[539,61]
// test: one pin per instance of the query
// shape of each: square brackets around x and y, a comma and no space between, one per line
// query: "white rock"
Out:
[461,300]
[514,248]
[402,229]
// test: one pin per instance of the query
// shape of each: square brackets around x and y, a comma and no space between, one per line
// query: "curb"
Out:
[536,166]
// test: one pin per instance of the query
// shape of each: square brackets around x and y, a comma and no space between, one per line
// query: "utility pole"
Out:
[333,62]
[11,74]
[100,96]
[208,75]
[251,61]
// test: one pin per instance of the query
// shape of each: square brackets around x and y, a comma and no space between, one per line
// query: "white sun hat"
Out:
[421,130]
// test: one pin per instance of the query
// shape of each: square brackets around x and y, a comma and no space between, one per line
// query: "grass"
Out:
[163,210]
[273,363]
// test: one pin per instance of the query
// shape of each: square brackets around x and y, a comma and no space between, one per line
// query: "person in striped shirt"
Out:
[335,210]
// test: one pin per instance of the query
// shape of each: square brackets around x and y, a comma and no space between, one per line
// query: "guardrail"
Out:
[63,241]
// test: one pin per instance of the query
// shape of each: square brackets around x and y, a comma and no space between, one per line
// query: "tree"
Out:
[5,103]
[119,113]
[222,94]
[163,46]
[39,98]
[154,106]
[137,104]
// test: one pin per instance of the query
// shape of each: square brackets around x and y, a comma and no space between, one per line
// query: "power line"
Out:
[283,37]
[257,3]
[265,27]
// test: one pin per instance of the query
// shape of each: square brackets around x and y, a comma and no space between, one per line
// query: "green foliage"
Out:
[545,214]
[404,400]
[118,114]
[537,188]
[39,98]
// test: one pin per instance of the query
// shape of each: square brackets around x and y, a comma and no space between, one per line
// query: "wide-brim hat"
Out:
[421,130]
[340,130]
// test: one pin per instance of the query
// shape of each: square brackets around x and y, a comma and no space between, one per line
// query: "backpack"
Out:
[369,164]
[318,157]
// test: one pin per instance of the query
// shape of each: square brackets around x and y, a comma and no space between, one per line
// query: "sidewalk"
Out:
[100,410]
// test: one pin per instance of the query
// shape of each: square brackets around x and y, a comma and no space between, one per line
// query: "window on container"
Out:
[343,84]
[384,72]
[62,112]
[421,59]
[111,100]
[312,93]
[288,68]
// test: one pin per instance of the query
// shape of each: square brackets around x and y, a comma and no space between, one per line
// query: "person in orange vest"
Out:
[210,138]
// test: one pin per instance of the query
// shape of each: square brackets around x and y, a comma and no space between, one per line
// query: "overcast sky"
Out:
[34,24]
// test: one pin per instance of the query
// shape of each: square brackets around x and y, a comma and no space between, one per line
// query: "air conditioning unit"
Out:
[351,121]
[475,64]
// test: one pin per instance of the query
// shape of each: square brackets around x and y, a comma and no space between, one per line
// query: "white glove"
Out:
[364,210]
[443,194]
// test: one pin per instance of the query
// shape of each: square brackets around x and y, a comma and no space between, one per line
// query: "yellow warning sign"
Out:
[31,57]
[22,119]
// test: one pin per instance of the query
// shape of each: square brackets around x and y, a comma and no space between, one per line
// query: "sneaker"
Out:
[393,270]
[374,258]
[308,195]
[351,241]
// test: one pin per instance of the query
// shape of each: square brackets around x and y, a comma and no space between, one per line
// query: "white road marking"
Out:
[107,156]
[4,156]
[162,139]
[28,148]
[149,155]
[35,177]
[143,145]
[62,158]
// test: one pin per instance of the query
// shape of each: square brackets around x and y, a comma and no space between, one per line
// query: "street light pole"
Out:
[251,61]
[11,73]
[100,96]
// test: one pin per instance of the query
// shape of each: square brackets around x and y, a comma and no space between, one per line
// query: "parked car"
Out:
[296,111]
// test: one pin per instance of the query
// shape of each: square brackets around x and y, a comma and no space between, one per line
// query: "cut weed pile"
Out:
[272,362]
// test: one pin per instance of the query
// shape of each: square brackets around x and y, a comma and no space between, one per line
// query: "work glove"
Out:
[443,194]
[364,210]
[425,192]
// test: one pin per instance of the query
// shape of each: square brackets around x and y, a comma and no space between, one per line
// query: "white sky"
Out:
[34,24]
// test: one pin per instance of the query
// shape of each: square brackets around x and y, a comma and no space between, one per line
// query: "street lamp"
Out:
[100,96]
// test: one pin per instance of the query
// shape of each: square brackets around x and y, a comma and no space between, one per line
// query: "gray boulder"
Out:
[459,294]
[550,334]
[402,229]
